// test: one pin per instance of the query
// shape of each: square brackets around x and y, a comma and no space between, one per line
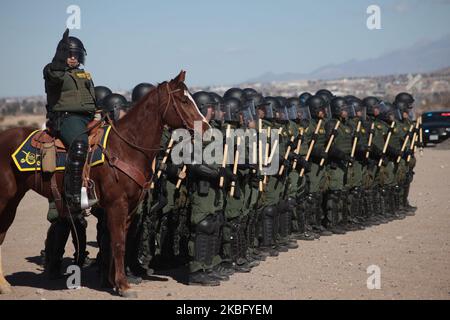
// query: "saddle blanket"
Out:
[28,158]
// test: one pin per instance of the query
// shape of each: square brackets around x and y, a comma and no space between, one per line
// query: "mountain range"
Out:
[424,56]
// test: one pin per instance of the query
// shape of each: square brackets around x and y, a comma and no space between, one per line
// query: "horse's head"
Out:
[180,110]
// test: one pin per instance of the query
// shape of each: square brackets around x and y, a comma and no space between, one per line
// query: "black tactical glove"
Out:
[59,61]
[384,160]
[407,153]
[171,171]
[323,154]
[304,164]
[394,153]
[376,152]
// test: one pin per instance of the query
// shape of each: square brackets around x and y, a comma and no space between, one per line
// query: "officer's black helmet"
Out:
[315,105]
[234,93]
[140,91]
[405,97]
[76,49]
[100,93]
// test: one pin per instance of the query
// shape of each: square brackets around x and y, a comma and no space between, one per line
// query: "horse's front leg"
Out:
[118,223]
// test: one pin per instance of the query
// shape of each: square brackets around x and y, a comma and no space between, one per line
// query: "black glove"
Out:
[171,171]
[323,154]
[59,61]
[304,164]
[393,152]
[286,163]
[384,160]
[407,153]
[376,152]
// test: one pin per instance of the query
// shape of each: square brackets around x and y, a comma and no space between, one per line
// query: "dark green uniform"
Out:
[337,173]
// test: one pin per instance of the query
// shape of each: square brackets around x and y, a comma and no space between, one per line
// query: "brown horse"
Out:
[135,143]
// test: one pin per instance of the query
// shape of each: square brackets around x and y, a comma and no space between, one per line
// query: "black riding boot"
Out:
[73,177]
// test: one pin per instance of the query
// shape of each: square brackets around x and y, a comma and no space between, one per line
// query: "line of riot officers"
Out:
[345,164]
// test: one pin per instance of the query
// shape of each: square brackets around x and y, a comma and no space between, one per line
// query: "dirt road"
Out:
[413,256]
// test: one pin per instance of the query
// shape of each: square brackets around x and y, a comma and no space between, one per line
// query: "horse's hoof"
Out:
[5,289]
[129,294]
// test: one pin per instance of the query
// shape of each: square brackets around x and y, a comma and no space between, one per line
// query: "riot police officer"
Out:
[71,103]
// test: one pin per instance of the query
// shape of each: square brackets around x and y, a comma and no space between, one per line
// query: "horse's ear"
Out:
[180,77]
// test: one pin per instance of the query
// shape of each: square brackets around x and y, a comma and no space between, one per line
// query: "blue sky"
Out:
[217,42]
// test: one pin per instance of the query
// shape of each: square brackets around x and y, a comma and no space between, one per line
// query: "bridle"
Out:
[162,115]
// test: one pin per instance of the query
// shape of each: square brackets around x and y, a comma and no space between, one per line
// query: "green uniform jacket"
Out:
[71,90]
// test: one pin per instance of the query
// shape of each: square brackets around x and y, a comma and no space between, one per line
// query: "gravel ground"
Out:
[413,256]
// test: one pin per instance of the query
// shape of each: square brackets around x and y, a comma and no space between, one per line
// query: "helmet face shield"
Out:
[327,112]
[282,114]
[231,109]
[251,105]
[361,113]
[77,54]
[411,114]
[350,111]
[247,116]
[303,113]
[292,112]
[268,111]
[388,113]
[218,113]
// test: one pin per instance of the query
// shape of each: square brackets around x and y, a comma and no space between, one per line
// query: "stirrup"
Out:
[85,202]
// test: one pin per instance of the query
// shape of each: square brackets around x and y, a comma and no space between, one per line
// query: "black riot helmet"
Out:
[140,91]
[233,93]
[100,93]
[371,103]
[254,101]
[403,107]
[218,106]
[216,97]
[292,106]
[301,109]
[315,105]
[339,105]
[113,103]
[232,107]
[204,101]
[388,112]
[269,105]
[76,49]
[326,95]
[405,97]
[249,92]
[358,106]
[281,110]
[304,97]
[282,100]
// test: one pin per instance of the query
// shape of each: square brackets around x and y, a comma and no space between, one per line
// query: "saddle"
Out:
[95,132]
